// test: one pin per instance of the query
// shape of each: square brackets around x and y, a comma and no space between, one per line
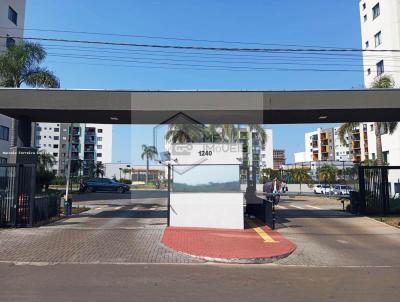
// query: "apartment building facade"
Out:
[90,143]
[279,158]
[324,144]
[380,29]
[12,18]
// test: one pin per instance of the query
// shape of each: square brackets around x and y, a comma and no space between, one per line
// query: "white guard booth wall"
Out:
[205,190]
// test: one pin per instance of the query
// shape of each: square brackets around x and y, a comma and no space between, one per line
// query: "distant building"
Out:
[136,173]
[325,145]
[12,19]
[91,143]
[279,158]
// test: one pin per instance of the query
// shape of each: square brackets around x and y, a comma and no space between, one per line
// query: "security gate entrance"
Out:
[379,188]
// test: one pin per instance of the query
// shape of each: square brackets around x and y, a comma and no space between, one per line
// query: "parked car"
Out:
[323,189]
[341,190]
[103,184]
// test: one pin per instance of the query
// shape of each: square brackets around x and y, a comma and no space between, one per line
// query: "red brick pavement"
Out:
[227,244]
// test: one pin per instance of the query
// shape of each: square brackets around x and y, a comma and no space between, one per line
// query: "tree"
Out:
[45,161]
[149,152]
[382,82]
[76,166]
[44,173]
[185,133]
[327,173]
[301,175]
[19,65]
[260,131]
[99,169]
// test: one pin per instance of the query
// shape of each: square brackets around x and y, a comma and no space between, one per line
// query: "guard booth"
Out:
[205,186]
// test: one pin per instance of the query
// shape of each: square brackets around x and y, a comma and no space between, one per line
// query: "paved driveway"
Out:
[119,228]
[326,236]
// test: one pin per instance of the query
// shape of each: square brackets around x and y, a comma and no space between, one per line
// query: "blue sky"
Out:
[308,22]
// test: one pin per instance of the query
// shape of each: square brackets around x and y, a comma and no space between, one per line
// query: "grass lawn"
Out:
[390,220]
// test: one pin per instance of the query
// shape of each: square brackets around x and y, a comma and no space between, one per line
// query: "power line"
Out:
[227,49]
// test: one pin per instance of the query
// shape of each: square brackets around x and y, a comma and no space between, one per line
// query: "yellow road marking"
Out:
[267,238]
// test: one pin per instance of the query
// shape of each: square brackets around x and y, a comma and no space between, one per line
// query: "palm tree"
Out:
[19,65]
[185,133]
[228,132]
[149,152]
[327,173]
[99,169]
[45,161]
[382,82]
[301,175]
[259,129]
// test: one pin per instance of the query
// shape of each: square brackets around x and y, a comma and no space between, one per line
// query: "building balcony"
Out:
[89,141]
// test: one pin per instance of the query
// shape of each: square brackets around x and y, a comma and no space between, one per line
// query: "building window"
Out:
[56,129]
[364,6]
[99,155]
[3,160]
[366,44]
[369,71]
[99,146]
[373,156]
[385,156]
[56,138]
[55,154]
[10,42]
[378,39]
[12,15]
[99,139]
[376,11]
[55,146]
[4,133]
[99,130]
[365,18]
[380,68]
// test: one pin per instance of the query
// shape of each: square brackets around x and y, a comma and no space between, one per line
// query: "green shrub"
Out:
[125,181]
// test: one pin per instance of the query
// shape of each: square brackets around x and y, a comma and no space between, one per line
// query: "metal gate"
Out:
[17,192]
[379,188]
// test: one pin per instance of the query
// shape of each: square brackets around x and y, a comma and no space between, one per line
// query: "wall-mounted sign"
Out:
[206,153]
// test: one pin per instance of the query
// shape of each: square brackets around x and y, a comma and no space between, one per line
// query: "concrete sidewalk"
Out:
[255,244]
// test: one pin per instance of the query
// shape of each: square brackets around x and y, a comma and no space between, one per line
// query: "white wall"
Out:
[388,22]
[208,210]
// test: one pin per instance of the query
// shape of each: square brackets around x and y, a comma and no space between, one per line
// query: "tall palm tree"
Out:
[301,175]
[185,133]
[149,152]
[99,169]
[228,132]
[259,129]
[45,161]
[19,65]
[327,173]
[382,82]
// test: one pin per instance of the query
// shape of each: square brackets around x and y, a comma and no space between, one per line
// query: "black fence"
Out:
[19,207]
[379,190]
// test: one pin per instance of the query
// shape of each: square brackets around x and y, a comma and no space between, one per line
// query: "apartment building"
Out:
[12,18]
[380,29]
[90,143]
[324,144]
[279,158]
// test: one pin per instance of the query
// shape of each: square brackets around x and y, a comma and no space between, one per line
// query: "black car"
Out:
[103,184]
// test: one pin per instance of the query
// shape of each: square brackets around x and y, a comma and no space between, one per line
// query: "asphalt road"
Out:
[196,283]
[112,253]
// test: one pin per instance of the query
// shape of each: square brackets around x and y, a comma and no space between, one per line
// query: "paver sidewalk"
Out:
[255,244]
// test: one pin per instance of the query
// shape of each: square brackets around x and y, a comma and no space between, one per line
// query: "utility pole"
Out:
[69,160]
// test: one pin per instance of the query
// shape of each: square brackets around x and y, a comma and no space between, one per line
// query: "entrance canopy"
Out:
[153,107]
